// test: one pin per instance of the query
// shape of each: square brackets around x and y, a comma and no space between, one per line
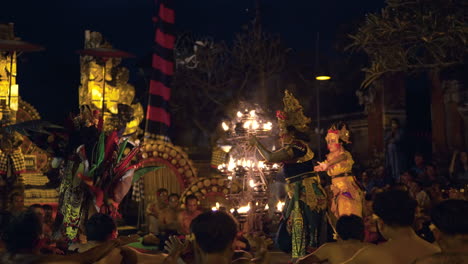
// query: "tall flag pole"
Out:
[158,119]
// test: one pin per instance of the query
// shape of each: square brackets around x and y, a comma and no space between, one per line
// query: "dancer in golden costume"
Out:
[307,200]
[347,195]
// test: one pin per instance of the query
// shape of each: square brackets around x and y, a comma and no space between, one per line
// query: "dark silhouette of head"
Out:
[214,231]
[23,233]
[451,217]
[350,227]
[395,207]
[100,227]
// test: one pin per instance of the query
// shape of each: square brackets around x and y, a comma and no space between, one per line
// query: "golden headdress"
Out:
[341,130]
[293,114]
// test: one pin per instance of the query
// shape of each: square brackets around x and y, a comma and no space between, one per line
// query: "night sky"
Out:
[49,79]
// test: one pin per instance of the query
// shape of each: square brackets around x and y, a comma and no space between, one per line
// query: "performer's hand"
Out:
[321,167]
[175,247]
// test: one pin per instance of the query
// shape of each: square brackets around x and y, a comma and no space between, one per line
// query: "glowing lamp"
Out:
[323,78]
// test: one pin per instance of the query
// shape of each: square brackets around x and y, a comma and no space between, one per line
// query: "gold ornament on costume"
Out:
[293,114]
[342,133]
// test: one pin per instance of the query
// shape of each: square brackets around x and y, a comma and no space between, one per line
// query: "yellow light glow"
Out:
[267,207]
[14,97]
[239,114]
[226,148]
[252,183]
[244,209]
[225,126]
[323,78]
[280,206]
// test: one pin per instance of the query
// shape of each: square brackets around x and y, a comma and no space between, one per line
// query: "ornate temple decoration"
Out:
[120,109]
[172,157]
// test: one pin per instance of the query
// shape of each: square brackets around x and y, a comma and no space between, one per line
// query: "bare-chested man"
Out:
[186,216]
[168,224]
[22,236]
[450,219]
[100,229]
[395,210]
[154,209]
[350,230]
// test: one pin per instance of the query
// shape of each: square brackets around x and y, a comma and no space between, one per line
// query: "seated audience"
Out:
[21,238]
[450,220]
[395,211]
[154,209]
[186,216]
[214,236]
[350,230]
[101,229]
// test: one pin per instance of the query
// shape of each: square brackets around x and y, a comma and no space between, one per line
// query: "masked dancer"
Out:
[303,211]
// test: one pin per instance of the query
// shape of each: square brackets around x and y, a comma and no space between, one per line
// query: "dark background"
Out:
[49,79]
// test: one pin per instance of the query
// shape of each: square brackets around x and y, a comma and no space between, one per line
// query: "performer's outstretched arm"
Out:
[323,166]
[277,156]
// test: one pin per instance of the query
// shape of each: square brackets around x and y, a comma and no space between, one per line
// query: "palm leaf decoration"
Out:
[140,172]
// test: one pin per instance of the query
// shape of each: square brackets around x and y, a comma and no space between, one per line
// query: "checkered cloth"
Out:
[218,157]
[14,159]
[138,193]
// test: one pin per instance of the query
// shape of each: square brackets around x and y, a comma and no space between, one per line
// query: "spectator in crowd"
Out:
[419,169]
[350,229]
[101,229]
[21,238]
[16,204]
[168,224]
[48,219]
[186,216]
[450,220]
[154,209]
[214,236]
[395,212]
[394,154]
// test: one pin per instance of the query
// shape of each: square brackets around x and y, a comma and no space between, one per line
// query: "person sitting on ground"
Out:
[16,205]
[214,235]
[350,229]
[186,216]
[395,211]
[168,224]
[450,219]
[101,228]
[154,209]
[21,238]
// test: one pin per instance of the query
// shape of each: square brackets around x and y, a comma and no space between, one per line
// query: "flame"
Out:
[247,124]
[261,165]
[232,210]
[244,209]
[267,207]
[255,124]
[268,126]
[232,164]
[279,206]
[252,113]
[225,126]
[239,114]
[252,183]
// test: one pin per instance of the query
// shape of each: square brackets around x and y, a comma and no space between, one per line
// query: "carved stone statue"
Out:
[120,112]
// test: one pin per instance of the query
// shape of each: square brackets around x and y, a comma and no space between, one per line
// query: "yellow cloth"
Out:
[343,166]
[347,197]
